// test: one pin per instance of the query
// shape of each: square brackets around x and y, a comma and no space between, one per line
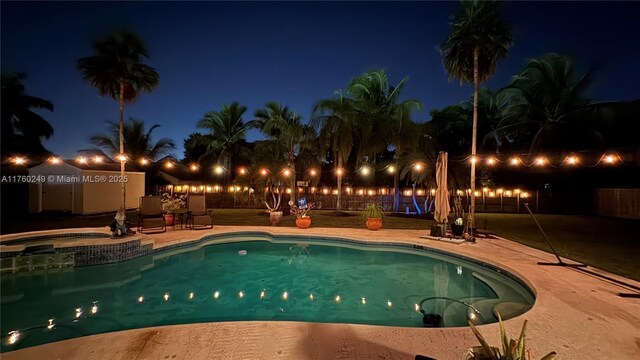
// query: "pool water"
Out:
[288,279]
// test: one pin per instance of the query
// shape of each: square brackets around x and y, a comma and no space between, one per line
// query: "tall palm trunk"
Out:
[294,188]
[122,162]
[472,208]
[339,197]
[396,187]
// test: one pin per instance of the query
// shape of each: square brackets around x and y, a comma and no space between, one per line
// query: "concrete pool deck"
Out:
[578,315]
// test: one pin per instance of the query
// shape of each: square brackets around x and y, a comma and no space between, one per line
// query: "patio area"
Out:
[576,314]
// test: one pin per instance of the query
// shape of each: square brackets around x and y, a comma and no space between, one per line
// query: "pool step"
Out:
[37,262]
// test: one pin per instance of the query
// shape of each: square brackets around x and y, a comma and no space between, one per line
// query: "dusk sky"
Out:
[208,54]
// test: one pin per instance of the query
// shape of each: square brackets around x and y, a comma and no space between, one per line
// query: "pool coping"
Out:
[387,340]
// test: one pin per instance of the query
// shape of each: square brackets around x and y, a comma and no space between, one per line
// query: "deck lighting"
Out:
[218,170]
[191,296]
[13,338]
[50,324]
[240,294]
[285,296]
[339,171]
[19,160]
[94,308]
[55,160]
[365,170]
[389,303]
[140,299]
[165,296]
[338,299]
[515,161]
[313,172]
[216,295]
[364,301]
[609,159]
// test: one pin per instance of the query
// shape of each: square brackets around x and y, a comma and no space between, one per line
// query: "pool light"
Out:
[140,299]
[338,299]
[262,294]
[240,294]
[218,170]
[165,296]
[216,295]
[191,296]
[391,169]
[285,296]
[13,338]
[389,303]
[364,301]
[311,297]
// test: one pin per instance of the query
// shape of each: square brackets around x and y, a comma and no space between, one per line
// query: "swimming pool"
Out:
[243,277]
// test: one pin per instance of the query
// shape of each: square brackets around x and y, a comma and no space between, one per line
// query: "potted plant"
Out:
[171,204]
[457,227]
[273,206]
[303,218]
[511,349]
[373,216]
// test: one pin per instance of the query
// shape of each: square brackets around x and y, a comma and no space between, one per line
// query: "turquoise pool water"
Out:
[289,279]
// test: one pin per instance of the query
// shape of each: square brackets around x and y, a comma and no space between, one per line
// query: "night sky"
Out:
[208,54]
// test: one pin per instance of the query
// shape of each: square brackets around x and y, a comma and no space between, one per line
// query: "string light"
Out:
[391,169]
[491,161]
[218,170]
[474,159]
[365,171]
[339,171]
[572,160]
[121,157]
[540,161]
[54,160]
[264,172]
[81,160]
[144,161]
[168,165]
[286,172]
[193,167]
[313,172]
[97,159]
[242,171]
[609,159]
[418,167]
[515,161]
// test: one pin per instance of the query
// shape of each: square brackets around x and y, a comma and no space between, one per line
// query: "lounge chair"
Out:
[150,216]
[199,218]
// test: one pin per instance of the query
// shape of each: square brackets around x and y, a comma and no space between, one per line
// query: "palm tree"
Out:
[22,128]
[137,142]
[227,134]
[335,120]
[471,53]
[279,123]
[117,70]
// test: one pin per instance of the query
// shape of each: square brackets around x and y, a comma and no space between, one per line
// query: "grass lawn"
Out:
[607,243]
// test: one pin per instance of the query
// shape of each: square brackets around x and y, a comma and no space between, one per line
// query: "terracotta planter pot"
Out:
[275,218]
[457,230]
[168,219]
[303,222]
[374,223]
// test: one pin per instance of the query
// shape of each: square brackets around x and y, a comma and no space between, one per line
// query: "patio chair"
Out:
[150,215]
[199,218]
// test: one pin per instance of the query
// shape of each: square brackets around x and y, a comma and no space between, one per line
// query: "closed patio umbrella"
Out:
[442,193]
